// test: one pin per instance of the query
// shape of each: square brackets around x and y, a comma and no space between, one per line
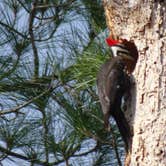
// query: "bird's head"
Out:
[125,49]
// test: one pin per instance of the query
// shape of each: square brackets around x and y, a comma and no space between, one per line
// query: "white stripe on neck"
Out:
[119,48]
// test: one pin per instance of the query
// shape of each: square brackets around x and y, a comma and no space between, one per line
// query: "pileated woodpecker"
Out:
[113,81]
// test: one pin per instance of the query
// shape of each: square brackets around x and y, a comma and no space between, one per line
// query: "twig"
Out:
[12,29]
[35,52]
[114,144]
[15,110]
[20,156]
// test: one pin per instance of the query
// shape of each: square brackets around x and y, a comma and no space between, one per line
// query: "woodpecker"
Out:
[113,81]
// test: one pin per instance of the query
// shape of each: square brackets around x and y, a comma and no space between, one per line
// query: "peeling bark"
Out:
[145,23]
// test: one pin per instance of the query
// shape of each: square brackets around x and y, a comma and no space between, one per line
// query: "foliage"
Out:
[50,53]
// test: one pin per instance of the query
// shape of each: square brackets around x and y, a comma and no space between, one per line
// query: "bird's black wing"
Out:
[115,86]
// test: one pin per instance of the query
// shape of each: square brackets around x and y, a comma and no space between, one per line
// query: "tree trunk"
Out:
[144,22]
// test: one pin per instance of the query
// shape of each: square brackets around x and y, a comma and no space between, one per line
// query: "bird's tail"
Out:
[124,128]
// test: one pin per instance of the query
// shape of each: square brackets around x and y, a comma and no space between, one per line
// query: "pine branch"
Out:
[13,30]
[16,110]
[32,38]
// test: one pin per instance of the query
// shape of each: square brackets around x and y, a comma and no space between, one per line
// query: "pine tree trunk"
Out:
[144,22]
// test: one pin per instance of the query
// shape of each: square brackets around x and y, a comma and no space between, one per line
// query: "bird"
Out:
[113,81]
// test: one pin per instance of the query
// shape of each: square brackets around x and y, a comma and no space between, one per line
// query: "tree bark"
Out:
[144,22]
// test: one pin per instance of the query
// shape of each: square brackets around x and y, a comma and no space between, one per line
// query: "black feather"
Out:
[113,83]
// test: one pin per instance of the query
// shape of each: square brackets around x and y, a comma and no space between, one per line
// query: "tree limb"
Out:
[35,52]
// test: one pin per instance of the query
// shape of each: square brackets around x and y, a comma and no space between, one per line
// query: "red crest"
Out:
[111,42]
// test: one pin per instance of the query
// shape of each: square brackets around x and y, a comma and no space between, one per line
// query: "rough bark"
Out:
[145,23]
